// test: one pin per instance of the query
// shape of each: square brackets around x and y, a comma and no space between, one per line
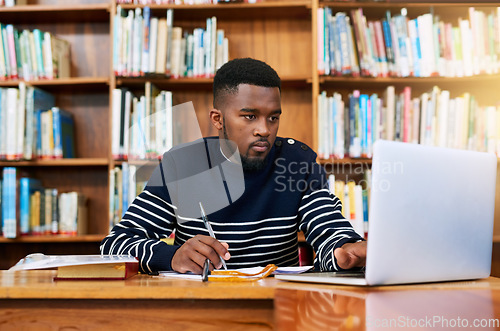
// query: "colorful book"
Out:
[10,197]
[64,137]
[27,187]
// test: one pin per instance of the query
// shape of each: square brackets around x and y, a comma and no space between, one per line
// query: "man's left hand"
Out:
[351,255]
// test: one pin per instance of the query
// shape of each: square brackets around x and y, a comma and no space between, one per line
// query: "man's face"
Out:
[250,119]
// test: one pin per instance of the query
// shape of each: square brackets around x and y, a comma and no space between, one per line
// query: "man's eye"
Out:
[249,117]
[274,118]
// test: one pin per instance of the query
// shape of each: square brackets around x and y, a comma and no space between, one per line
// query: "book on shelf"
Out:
[63,131]
[72,209]
[28,186]
[355,200]
[136,122]
[12,3]
[401,46]
[82,267]
[433,118]
[125,184]
[55,133]
[29,208]
[36,99]
[9,206]
[32,55]
[144,45]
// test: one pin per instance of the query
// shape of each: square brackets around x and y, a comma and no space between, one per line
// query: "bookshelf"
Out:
[281,32]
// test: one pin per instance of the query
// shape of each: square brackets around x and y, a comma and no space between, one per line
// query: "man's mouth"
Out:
[260,146]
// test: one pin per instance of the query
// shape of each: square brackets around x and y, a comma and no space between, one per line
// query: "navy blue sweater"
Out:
[289,194]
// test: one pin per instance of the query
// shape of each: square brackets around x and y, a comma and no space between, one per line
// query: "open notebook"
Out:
[244,274]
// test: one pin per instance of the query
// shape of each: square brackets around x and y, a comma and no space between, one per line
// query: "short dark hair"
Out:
[242,71]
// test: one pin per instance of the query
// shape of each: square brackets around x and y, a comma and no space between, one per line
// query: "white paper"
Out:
[253,270]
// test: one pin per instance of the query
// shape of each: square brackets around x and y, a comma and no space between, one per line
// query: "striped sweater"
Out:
[290,194]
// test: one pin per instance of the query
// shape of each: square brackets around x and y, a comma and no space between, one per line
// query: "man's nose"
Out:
[262,128]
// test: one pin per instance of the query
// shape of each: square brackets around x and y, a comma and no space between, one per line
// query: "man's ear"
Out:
[216,118]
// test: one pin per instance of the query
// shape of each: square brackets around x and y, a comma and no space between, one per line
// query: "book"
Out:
[36,101]
[82,267]
[64,137]
[28,186]
[9,203]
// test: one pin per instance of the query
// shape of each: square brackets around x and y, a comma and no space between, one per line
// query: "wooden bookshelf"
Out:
[55,239]
[282,33]
[61,13]
[76,162]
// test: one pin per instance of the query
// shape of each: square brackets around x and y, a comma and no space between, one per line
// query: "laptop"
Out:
[430,217]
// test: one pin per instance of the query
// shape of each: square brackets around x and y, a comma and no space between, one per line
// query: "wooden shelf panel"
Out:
[72,81]
[54,239]
[76,162]
[478,86]
[481,79]
[196,83]
[54,14]
[345,161]
[447,11]
[403,4]
[234,11]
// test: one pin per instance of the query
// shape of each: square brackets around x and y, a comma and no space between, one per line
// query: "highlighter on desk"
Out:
[210,231]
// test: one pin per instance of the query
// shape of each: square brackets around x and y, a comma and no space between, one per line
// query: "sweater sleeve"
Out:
[150,218]
[321,220]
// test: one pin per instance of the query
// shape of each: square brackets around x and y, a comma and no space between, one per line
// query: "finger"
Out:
[200,249]
[198,258]
[188,265]
[220,248]
[343,258]
[208,252]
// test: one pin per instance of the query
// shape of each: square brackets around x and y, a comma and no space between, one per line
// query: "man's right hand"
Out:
[192,254]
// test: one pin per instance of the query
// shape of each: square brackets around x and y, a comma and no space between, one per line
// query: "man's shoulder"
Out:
[294,149]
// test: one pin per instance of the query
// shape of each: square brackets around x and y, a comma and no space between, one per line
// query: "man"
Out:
[285,190]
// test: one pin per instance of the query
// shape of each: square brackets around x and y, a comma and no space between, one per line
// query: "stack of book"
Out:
[349,129]
[398,46]
[145,45]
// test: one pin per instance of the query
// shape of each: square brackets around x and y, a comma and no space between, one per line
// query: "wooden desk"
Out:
[31,300]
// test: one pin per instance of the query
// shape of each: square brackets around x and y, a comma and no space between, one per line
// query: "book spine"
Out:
[116,123]
[153,44]
[56,128]
[12,119]
[9,226]
[320,43]
[24,211]
[137,34]
[21,120]
[47,56]
[406,114]
[54,228]
[39,53]
[67,134]
[12,51]
[146,44]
